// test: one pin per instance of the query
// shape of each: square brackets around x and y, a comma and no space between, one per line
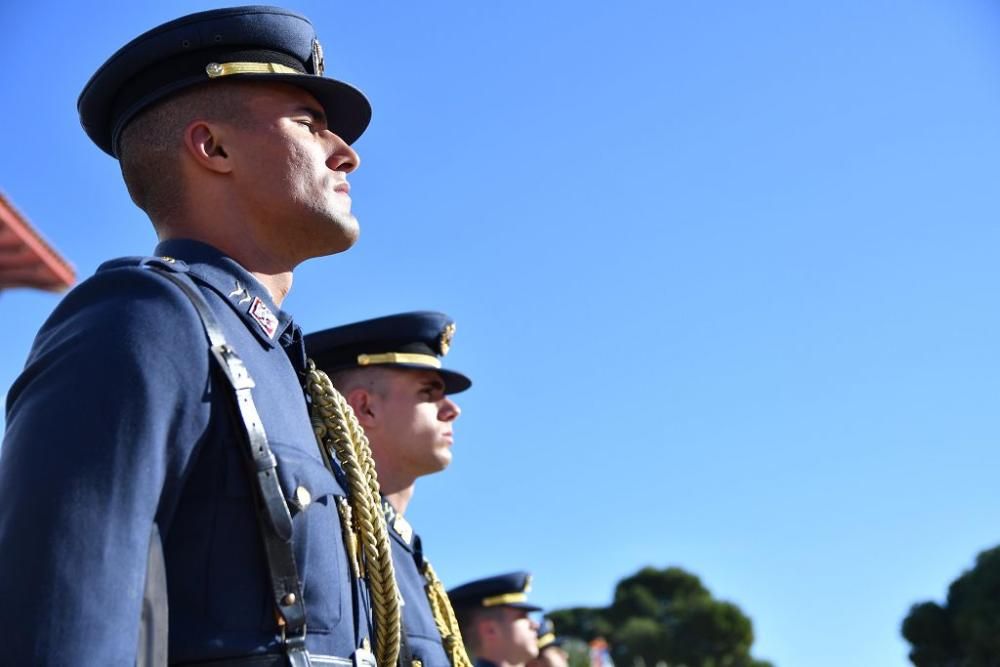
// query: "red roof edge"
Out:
[27,259]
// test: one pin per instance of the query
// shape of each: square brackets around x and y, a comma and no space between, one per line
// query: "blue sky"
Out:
[724,275]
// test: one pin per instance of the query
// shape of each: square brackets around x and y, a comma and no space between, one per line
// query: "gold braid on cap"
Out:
[341,437]
[444,619]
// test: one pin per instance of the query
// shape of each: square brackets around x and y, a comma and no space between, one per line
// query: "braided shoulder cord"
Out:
[339,435]
[444,619]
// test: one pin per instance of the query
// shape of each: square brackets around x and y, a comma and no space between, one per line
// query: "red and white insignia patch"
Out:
[264,317]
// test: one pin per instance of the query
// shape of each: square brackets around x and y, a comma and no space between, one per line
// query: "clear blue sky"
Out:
[725,276]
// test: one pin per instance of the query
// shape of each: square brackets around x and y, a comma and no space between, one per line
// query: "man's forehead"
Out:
[275,92]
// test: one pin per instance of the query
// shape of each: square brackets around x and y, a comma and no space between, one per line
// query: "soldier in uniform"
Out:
[389,370]
[158,438]
[494,614]
[550,647]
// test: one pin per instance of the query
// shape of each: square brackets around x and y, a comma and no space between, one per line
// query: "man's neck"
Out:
[277,284]
[273,273]
[400,499]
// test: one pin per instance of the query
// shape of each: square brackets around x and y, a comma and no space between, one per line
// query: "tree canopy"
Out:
[665,616]
[965,631]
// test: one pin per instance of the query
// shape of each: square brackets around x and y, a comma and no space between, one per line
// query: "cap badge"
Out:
[444,342]
[264,317]
[317,58]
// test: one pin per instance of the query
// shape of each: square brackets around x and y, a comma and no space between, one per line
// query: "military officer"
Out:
[390,371]
[127,465]
[550,647]
[494,614]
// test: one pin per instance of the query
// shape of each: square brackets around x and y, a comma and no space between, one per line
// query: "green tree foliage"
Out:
[665,616]
[965,632]
[584,623]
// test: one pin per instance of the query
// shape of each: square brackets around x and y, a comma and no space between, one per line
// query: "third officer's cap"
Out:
[254,43]
[503,590]
[547,635]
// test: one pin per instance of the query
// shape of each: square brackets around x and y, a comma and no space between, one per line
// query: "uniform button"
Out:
[288,600]
[303,497]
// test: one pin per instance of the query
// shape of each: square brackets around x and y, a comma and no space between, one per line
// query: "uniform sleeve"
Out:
[101,426]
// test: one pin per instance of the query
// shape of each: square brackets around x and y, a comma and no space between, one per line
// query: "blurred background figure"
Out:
[550,647]
[600,653]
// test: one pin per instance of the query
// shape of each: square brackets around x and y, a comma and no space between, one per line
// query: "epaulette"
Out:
[168,263]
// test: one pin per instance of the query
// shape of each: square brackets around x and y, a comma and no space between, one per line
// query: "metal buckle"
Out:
[363,658]
[295,648]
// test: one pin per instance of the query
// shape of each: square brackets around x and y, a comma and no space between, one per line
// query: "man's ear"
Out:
[204,143]
[364,405]
[488,628]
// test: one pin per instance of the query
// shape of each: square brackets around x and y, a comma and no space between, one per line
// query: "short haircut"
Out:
[372,378]
[150,145]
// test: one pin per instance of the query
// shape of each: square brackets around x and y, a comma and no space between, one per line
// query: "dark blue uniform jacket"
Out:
[118,421]
[418,620]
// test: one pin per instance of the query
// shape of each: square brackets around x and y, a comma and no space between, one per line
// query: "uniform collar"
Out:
[245,294]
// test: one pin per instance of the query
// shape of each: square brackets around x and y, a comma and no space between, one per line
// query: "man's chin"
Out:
[341,236]
[443,460]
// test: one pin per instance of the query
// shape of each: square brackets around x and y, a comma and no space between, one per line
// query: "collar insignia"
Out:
[317,58]
[264,317]
[240,291]
[398,523]
[444,342]
[403,527]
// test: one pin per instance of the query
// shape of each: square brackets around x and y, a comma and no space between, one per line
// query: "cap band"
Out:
[506,598]
[399,358]
[215,70]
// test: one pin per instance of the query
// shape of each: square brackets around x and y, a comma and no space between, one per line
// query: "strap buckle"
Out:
[363,658]
[233,366]
[295,648]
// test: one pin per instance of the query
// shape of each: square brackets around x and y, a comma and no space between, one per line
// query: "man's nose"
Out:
[449,410]
[344,158]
